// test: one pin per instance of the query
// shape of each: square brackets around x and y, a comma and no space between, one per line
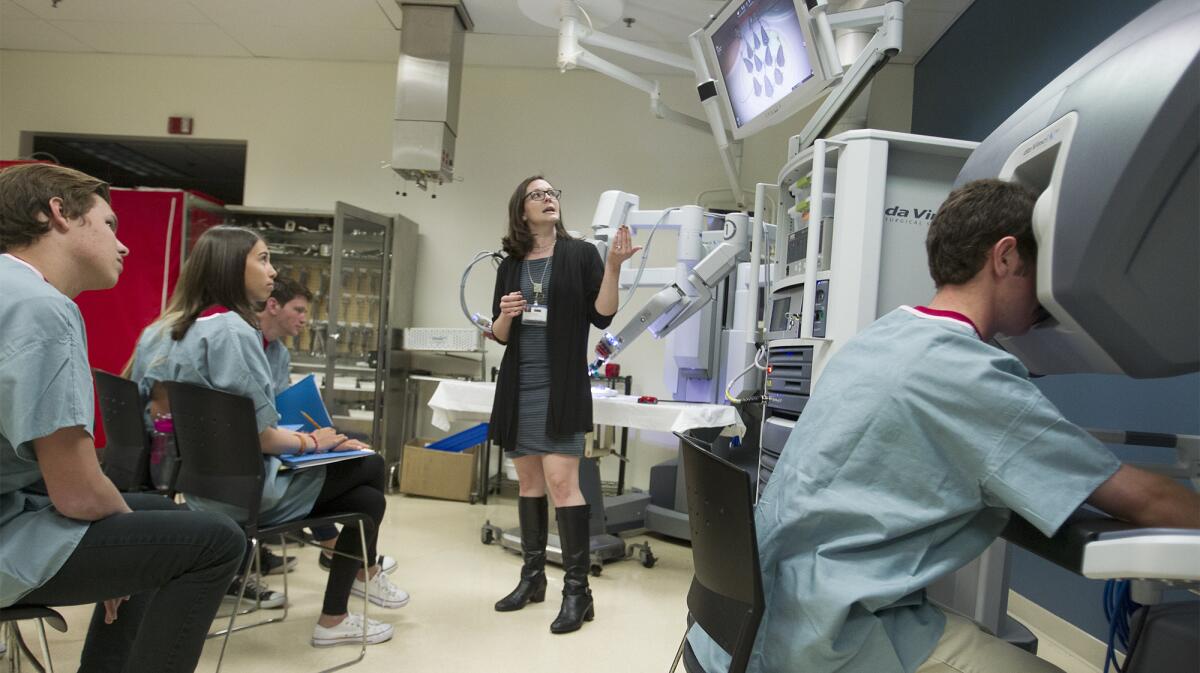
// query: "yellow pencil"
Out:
[316,425]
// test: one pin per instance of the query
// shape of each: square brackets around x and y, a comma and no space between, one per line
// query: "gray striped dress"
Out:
[534,396]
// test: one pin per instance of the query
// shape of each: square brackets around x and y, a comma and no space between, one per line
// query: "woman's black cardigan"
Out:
[576,274]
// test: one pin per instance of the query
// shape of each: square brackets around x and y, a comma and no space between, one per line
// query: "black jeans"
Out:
[351,486]
[323,533]
[174,564]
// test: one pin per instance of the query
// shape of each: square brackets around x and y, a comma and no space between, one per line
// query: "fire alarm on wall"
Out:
[179,125]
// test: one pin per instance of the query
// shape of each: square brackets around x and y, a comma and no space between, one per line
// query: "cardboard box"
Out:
[438,474]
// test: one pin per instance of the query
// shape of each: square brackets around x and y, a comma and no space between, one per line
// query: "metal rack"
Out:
[344,257]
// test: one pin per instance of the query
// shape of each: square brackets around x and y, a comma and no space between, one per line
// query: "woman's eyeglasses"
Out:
[541,194]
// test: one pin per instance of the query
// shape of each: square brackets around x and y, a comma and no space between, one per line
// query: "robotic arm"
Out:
[693,288]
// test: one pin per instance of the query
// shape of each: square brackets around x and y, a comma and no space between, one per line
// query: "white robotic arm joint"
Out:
[671,306]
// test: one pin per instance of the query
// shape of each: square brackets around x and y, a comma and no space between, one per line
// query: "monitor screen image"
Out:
[762,54]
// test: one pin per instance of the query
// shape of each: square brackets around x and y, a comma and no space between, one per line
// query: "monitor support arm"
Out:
[571,54]
[888,21]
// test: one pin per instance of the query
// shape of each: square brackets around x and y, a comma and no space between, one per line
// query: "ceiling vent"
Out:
[428,80]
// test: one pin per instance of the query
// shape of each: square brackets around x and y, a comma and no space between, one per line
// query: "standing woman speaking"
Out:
[549,289]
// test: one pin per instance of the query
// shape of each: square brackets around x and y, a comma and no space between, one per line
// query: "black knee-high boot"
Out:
[575,539]
[535,522]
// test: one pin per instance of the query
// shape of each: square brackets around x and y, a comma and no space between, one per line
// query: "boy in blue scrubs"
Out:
[284,314]
[918,443]
[157,573]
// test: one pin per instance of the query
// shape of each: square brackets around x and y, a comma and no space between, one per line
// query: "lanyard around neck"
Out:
[537,286]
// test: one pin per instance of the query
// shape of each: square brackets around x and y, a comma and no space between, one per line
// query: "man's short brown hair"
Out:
[25,193]
[969,223]
[287,289]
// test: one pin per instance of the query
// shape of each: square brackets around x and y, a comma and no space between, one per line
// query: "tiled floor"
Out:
[450,625]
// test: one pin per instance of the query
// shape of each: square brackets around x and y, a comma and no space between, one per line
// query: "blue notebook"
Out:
[302,396]
[300,461]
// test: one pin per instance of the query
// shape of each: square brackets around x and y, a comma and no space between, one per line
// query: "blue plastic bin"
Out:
[461,441]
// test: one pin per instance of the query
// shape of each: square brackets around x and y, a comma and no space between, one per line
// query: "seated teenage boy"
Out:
[284,314]
[86,542]
[918,443]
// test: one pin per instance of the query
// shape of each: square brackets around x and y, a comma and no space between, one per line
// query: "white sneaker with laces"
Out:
[350,632]
[383,593]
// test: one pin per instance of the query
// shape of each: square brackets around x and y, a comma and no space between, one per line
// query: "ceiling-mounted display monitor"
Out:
[766,63]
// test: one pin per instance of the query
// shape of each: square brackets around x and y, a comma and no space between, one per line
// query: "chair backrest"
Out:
[127,451]
[217,437]
[726,596]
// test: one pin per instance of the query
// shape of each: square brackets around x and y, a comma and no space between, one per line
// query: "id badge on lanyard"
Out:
[535,314]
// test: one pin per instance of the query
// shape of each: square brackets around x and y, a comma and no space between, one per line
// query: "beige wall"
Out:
[319,132]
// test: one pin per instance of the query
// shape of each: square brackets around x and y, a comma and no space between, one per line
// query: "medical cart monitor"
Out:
[766,65]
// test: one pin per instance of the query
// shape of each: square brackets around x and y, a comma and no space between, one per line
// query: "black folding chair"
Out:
[17,649]
[726,597]
[127,452]
[221,459]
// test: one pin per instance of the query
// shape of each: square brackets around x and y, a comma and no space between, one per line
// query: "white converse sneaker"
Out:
[350,632]
[383,593]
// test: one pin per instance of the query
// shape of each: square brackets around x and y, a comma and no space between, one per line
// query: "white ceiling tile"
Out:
[361,30]
[116,11]
[503,17]
[317,14]
[329,44]
[36,35]
[180,39]
[11,10]
[675,20]
[654,20]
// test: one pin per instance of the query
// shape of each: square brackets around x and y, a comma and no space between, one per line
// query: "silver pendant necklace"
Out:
[537,286]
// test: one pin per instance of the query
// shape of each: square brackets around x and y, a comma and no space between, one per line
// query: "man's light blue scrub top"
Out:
[224,352]
[279,361]
[917,443]
[45,386]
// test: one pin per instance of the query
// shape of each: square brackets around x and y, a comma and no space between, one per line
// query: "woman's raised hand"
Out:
[622,247]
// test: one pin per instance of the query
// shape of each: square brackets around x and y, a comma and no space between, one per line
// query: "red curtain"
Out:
[150,224]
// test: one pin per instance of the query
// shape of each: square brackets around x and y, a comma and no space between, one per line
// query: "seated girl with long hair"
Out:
[209,336]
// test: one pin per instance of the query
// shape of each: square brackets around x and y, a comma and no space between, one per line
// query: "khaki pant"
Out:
[966,648]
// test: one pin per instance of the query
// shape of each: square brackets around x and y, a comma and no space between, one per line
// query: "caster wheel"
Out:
[596,569]
[486,535]
[648,560]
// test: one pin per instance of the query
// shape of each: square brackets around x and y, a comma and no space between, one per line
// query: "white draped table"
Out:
[472,401]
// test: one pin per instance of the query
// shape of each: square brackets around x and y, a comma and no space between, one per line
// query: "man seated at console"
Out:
[919,442]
